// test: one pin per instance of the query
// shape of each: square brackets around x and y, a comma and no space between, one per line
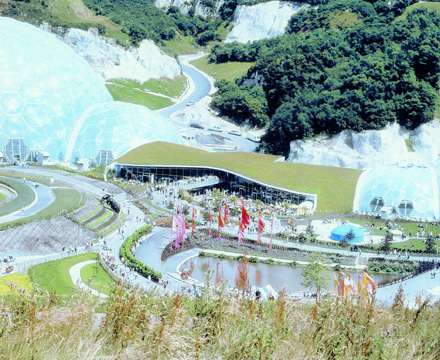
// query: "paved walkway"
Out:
[151,250]
[75,274]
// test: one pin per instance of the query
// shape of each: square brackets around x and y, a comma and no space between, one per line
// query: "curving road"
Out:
[44,198]
[202,87]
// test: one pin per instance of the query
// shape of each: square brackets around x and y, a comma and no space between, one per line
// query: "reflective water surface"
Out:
[260,274]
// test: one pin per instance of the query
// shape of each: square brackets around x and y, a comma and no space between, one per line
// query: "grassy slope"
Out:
[169,87]
[54,276]
[24,198]
[70,13]
[130,95]
[98,280]
[227,71]
[335,186]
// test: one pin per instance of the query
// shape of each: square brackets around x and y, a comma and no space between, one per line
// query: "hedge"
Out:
[130,260]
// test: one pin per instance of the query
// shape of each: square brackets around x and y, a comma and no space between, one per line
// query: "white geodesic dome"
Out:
[48,96]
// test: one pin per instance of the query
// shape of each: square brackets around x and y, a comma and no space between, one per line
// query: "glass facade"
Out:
[409,191]
[45,90]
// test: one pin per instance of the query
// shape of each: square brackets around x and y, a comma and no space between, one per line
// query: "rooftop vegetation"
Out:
[335,186]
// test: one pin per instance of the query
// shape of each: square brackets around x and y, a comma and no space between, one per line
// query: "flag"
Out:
[221,222]
[271,232]
[336,285]
[371,286]
[193,224]
[227,211]
[350,284]
[360,286]
[261,226]
[209,219]
[341,291]
[179,228]
[277,227]
[244,223]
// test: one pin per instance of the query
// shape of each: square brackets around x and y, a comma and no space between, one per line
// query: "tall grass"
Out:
[213,325]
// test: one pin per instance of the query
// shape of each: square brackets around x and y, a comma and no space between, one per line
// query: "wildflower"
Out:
[20,289]
[117,287]
[123,289]
[256,332]
[5,313]
[389,330]
[257,318]
[8,283]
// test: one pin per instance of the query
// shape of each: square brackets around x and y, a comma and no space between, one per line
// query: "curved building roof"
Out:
[45,91]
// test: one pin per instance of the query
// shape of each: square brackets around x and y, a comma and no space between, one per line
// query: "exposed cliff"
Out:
[262,21]
[184,6]
[371,148]
[113,61]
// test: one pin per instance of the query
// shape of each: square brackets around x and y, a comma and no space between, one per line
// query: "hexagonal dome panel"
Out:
[410,191]
[36,68]
[120,134]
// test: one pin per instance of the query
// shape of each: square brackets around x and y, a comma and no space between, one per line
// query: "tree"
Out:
[316,275]
[386,242]
[430,245]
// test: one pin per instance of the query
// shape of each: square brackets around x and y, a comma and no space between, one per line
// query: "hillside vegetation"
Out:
[215,325]
[344,65]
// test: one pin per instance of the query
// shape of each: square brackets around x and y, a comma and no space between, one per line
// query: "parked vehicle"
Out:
[190,103]
[235,132]
[253,137]
[196,125]
[215,128]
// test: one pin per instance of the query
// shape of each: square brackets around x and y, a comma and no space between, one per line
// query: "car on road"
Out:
[253,137]
[235,132]
[215,128]
[190,103]
[196,125]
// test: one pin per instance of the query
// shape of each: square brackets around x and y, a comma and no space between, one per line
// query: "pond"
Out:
[261,274]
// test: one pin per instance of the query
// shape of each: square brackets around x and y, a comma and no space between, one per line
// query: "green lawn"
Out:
[227,71]
[54,276]
[2,197]
[169,87]
[139,97]
[101,219]
[90,214]
[335,186]
[24,198]
[95,276]
[180,45]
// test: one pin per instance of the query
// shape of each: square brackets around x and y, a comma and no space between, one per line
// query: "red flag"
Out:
[271,233]
[227,211]
[186,224]
[261,225]
[209,221]
[193,224]
[244,223]
[221,222]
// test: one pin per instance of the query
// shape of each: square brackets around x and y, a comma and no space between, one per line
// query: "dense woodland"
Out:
[325,76]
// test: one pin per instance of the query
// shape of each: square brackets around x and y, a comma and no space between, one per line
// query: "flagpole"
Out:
[271,234]
[172,224]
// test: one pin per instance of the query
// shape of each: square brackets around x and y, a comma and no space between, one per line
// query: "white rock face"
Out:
[371,148]
[112,61]
[262,21]
[205,11]
[183,5]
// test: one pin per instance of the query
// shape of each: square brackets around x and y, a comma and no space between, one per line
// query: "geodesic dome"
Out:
[407,191]
[44,88]
[47,99]
[109,130]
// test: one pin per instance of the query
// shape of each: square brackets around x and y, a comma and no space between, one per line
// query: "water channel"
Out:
[260,274]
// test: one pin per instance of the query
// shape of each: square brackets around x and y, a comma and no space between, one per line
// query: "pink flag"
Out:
[193,225]
[209,221]
[179,229]
[261,225]
[271,233]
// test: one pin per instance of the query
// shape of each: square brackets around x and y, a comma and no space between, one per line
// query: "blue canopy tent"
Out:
[340,232]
